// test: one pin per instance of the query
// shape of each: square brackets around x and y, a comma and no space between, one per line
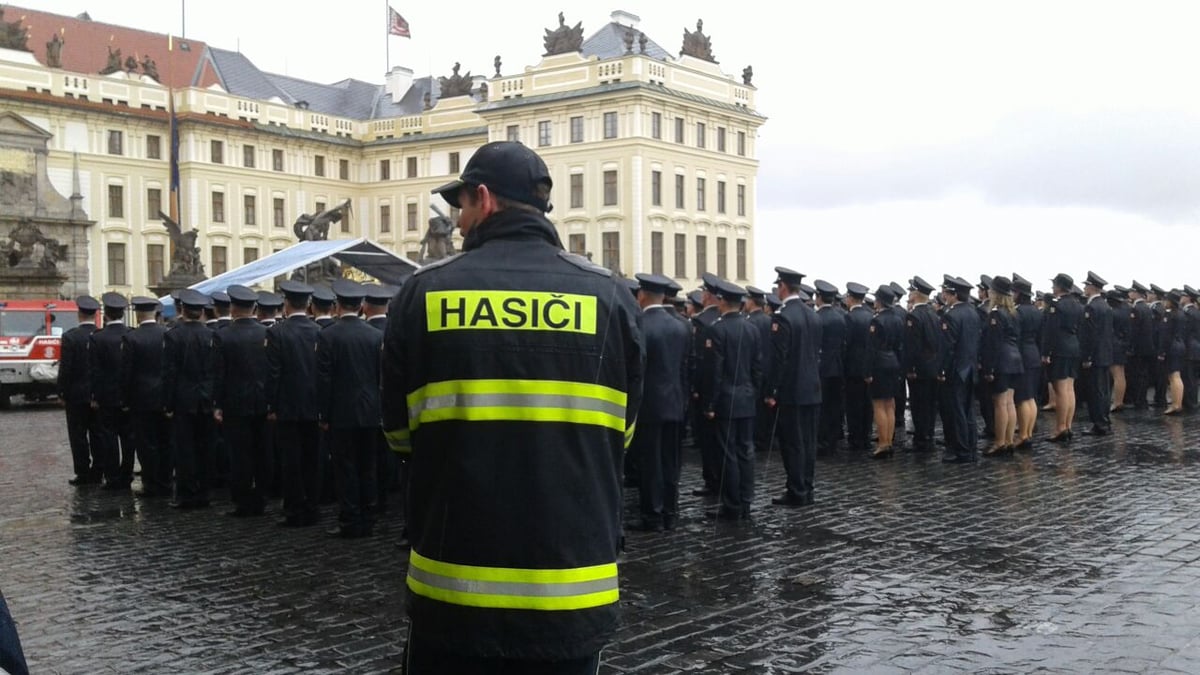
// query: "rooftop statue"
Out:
[697,44]
[562,40]
[455,85]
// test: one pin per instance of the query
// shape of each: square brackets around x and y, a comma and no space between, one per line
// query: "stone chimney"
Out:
[626,19]
[398,82]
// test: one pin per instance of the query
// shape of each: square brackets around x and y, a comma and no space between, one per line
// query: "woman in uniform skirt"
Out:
[1172,350]
[884,342]
[1002,363]
[1025,387]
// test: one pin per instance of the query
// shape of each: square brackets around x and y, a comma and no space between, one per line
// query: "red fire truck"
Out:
[30,346]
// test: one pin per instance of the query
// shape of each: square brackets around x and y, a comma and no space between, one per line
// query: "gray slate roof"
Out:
[609,43]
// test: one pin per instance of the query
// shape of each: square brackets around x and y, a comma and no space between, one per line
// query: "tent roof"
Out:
[363,254]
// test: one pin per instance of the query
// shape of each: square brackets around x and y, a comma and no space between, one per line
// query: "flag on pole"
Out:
[397,25]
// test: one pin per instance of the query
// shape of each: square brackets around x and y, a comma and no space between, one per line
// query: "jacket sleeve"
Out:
[874,337]
[756,364]
[274,370]
[1049,332]
[325,368]
[949,344]
[685,358]
[635,364]
[781,345]
[127,359]
[712,356]
[170,370]
[218,371]
[393,391]
[66,358]
[93,370]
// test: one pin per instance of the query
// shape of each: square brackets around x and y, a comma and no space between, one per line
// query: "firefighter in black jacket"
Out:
[292,404]
[187,387]
[75,391]
[348,392]
[513,374]
[104,367]
[731,379]
[240,403]
[142,395]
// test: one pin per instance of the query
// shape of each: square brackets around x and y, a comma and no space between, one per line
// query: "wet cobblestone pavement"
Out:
[1078,559]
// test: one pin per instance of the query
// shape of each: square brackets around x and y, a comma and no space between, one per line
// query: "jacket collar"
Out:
[512,224]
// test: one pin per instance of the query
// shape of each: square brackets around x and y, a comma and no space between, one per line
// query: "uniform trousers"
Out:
[833,410]
[152,445]
[297,444]
[704,431]
[82,434]
[1098,394]
[1140,369]
[422,659]
[735,443]
[250,460]
[764,427]
[962,436]
[923,401]
[656,445]
[798,445]
[193,457]
[355,452]
[116,445]
[858,413]
[1188,373]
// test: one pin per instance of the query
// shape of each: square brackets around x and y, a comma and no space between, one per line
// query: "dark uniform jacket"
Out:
[797,333]
[1171,336]
[324,321]
[1029,322]
[378,322]
[666,387]
[833,340]
[960,341]
[292,369]
[922,341]
[240,369]
[187,368]
[858,329]
[700,323]
[1191,314]
[348,374]
[762,321]
[732,368]
[513,372]
[1096,333]
[223,322]
[1060,336]
[104,363]
[1141,329]
[74,382]
[885,341]
[1001,351]
[142,368]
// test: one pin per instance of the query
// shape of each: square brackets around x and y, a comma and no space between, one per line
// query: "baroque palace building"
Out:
[652,155]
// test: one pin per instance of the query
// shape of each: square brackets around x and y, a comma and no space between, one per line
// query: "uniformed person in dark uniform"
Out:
[1191,313]
[664,403]
[731,372]
[1118,302]
[703,429]
[1160,373]
[1096,347]
[983,388]
[104,366]
[1142,362]
[1173,350]
[1000,361]
[960,358]
[1025,391]
[833,348]
[220,303]
[858,398]
[885,345]
[755,310]
[387,465]
[187,387]
[900,309]
[1060,351]
[348,393]
[269,305]
[375,304]
[293,405]
[74,389]
[142,395]
[794,386]
[922,341]
[322,306]
[240,403]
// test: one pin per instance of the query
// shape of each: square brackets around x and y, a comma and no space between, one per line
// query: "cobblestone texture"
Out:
[1079,559]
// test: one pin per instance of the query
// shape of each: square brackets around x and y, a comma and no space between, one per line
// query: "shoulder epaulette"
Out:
[584,264]
[438,263]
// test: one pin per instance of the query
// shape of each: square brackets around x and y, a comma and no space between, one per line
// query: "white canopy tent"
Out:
[362,254]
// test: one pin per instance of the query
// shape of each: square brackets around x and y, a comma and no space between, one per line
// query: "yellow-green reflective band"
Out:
[399,440]
[510,310]
[517,401]
[630,432]
[513,588]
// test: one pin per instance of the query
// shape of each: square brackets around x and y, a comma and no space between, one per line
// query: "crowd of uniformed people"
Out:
[517,384]
[271,395]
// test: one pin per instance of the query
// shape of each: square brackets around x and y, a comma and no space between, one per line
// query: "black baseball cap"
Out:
[508,169]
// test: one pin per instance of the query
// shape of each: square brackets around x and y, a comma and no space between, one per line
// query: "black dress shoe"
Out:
[724,514]
[291,521]
[1026,444]
[1062,437]
[882,453]
[85,479]
[704,492]
[239,513]
[646,526]
[788,500]
[958,459]
[668,522]
[1095,431]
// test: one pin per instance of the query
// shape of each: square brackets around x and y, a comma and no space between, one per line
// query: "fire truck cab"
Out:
[31,345]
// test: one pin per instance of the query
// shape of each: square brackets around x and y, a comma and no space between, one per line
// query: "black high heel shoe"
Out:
[1063,437]
[882,453]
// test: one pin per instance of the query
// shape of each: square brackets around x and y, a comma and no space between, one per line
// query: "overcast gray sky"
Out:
[903,138]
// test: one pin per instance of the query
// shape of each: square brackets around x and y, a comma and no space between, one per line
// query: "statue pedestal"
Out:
[30,282]
[175,282]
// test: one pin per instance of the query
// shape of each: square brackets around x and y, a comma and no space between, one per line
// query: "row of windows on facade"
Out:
[545,131]
[116,146]
[154,204]
[577,243]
